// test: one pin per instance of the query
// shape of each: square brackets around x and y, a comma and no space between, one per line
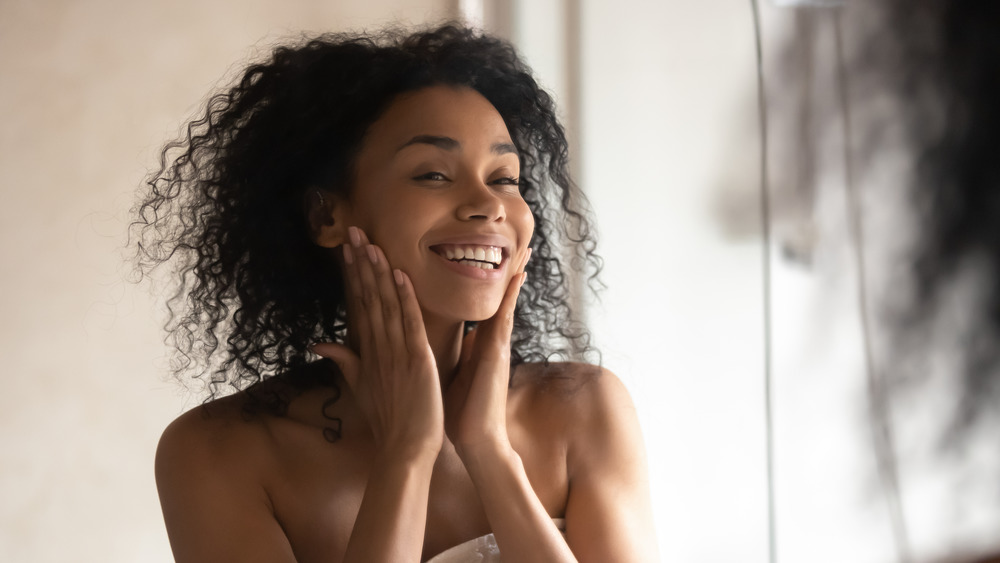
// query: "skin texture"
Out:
[437,447]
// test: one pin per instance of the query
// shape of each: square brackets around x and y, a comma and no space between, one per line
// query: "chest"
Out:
[318,489]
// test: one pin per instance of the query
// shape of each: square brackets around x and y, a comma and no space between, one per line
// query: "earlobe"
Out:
[327,227]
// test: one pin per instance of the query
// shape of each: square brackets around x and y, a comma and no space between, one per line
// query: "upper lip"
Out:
[482,239]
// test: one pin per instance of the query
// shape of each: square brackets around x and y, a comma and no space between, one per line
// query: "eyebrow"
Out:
[449,144]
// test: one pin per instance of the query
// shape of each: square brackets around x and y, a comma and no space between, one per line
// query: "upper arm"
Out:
[608,513]
[213,506]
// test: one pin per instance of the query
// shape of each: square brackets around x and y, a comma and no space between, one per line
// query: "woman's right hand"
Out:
[392,372]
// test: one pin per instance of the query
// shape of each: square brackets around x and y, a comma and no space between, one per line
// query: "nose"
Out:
[480,202]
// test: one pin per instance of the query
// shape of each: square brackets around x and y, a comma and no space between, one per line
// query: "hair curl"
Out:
[227,205]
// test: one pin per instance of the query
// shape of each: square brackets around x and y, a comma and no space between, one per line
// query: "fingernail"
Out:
[355,235]
[399,277]
[348,255]
[524,278]
[372,255]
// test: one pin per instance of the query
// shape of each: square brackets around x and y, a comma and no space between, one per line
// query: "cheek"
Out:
[524,221]
[382,216]
[398,234]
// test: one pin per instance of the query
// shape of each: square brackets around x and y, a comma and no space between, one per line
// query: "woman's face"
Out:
[436,189]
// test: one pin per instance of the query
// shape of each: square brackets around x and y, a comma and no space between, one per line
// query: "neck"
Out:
[445,338]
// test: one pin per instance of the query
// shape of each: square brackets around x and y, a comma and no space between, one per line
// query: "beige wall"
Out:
[88,92]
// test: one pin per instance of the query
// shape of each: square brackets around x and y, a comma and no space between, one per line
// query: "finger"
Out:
[463,379]
[377,347]
[509,303]
[413,320]
[359,237]
[352,253]
[392,316]
[496,331]
[524,261]
[344,357]
[509,300]
[352,283]
[468,343]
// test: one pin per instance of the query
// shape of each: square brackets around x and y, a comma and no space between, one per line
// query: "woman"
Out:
[369,200]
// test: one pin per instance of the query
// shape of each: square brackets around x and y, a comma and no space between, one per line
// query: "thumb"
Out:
[463,374]
[468,344]
[345,358]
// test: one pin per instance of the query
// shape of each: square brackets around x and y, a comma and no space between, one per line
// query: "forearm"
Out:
[523,529]
[393,513]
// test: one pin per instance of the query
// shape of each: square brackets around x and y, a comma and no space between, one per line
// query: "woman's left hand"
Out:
[475,401]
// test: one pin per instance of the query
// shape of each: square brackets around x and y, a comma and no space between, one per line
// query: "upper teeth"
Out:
[481,253]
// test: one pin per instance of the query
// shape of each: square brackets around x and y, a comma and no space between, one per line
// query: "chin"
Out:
[481,317]
[479,314]
[467,311]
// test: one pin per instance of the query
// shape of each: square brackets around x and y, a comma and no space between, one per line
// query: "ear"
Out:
[327,216]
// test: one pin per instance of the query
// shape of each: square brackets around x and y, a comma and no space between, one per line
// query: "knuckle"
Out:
[390,310]
[385,363]
[369,297]
[419,355]
[501,351]
[506,323]
[495,352]
[353,288]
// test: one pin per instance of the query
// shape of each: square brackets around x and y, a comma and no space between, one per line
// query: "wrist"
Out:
[486,452]
[409,454]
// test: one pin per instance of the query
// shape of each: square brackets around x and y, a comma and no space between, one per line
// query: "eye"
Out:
[507,181]
[431,177]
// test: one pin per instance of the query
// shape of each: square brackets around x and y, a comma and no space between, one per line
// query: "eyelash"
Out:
[437,177]
[432,176]
[508,181]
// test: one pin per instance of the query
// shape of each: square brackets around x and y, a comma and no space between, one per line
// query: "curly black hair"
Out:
[227,206]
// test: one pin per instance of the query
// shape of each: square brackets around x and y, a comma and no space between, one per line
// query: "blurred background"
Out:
[661,103]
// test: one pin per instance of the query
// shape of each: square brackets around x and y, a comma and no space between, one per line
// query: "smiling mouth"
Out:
[478,256]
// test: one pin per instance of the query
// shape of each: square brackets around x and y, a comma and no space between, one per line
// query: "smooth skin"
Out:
[439,444]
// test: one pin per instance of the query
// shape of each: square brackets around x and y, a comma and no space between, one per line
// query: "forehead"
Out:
[457,112]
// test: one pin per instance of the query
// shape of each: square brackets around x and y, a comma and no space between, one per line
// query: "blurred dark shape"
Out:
[995,558]
[950,56]
[928,71]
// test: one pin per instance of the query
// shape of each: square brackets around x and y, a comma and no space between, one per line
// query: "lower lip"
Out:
[473,271]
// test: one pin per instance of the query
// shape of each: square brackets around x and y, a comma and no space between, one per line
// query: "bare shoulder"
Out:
[590,407]
[236,435]
[608,509]
[586,412]
[214,438]
[210,464]
[217,419]
[582,402]
[571,386]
